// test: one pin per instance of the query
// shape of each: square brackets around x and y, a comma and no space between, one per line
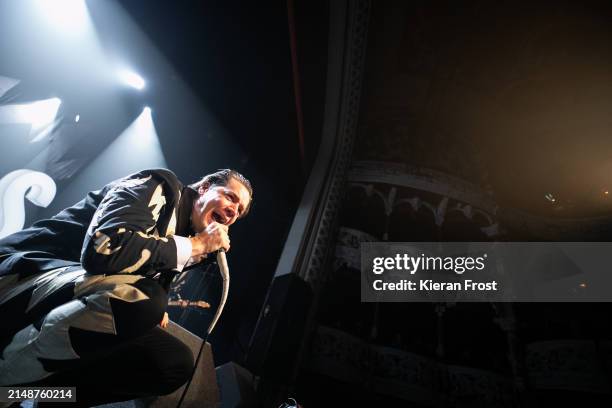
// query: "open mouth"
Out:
[217,217]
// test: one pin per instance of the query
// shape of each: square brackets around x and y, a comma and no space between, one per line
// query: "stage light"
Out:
[77,118]
[69,16]
[132,79]
[137,147]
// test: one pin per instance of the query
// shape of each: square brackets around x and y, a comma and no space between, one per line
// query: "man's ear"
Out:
[203,187]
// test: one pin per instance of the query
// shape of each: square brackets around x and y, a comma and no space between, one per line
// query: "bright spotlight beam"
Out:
[136,148]
[132,79]
[39,114]
[67,16]
[42,113]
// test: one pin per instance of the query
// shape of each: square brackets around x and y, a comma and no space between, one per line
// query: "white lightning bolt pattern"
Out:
[157,201]
[172,224]
[130,183]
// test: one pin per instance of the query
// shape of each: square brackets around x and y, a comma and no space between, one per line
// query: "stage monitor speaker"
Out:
[203,391]
[280,329]
[236,386]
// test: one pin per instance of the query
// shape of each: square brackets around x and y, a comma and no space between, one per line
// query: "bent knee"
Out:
[140,307]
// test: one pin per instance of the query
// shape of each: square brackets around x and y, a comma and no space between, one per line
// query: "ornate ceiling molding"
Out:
[423,179]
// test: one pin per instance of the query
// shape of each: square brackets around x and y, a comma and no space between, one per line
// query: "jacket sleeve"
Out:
[122,235]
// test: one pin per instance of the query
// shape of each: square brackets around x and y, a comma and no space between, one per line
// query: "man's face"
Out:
[222,204]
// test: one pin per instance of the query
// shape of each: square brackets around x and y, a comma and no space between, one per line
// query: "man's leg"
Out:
[25,302]
[156,363]
[109,311]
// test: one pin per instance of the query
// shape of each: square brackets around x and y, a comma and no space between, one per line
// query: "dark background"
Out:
[512,98]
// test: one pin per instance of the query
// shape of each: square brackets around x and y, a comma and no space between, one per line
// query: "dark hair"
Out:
[220,178]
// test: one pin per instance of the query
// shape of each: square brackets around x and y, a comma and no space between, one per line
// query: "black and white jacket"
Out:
[137,224]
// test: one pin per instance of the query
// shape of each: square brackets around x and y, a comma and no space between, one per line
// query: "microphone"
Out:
[224,270]
[222,261]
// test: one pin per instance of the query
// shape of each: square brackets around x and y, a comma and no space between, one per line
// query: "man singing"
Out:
[82,293]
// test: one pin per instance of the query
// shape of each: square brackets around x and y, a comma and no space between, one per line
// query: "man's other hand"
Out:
[165,320]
